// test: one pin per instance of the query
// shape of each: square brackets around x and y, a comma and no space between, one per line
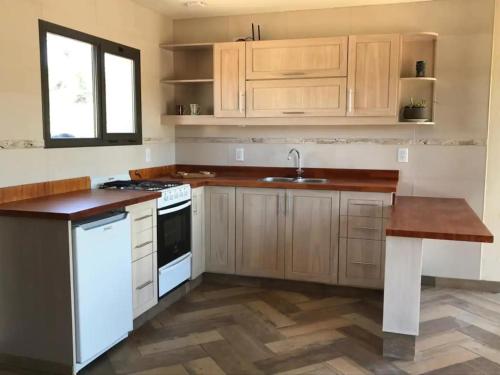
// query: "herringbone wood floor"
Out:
[276,327]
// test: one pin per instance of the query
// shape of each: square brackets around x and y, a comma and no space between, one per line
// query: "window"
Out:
[90,89]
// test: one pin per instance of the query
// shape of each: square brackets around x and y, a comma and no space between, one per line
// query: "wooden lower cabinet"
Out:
[260,232]
[311,244]
[220,229]
[197,232]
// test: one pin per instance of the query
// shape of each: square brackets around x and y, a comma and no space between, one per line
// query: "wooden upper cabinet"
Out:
[296,97]
[373,77]
[260,232]
[296,58]
[229,79]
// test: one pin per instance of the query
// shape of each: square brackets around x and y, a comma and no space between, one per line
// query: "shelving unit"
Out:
[416,47]
[192,76]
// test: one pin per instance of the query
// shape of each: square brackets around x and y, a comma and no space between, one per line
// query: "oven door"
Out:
[174,232]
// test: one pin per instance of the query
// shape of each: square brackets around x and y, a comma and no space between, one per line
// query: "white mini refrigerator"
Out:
[102,285]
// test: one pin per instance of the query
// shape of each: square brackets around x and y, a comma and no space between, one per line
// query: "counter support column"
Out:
[403,270]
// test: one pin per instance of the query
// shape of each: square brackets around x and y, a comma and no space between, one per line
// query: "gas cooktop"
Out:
[139,185]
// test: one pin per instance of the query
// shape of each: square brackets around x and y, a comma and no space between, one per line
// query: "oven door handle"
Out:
[174,209]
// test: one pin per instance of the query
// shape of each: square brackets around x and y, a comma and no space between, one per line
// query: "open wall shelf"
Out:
[419,46]
[191,78]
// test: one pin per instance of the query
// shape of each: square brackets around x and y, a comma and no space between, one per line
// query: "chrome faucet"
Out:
[299,169]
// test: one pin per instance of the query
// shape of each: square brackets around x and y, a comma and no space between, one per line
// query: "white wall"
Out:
[447,159]
[122,21]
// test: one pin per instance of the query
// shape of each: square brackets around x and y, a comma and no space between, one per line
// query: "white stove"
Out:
[173,226]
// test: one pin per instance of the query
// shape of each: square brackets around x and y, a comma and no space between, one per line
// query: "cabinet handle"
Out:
[143,217]
[366,264]
[365,228]
[293,112]
[144,285]
[143,244]
[195,204]
[242,102]
[293,74]
[366,204]
[350,98]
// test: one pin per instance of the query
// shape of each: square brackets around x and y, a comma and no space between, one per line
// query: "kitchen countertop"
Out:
[436,218]
[344,184]
[76,205]
[381,181]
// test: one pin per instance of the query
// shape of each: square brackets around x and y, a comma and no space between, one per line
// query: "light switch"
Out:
[403,155]
[148,155]
[240,154]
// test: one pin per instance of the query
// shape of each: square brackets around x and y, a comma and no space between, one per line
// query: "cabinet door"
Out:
[373,77]
[220,229]
[297,58]
[312,222]
[229,79]
[197,232]
[260,232]
[296,97]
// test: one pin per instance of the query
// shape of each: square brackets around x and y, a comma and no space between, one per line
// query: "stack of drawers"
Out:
[144,260]
[363,217]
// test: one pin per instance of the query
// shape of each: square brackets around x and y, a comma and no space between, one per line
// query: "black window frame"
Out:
[101,46]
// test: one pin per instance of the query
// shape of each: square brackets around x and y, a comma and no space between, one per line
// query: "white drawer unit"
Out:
[144,256]
[362,238]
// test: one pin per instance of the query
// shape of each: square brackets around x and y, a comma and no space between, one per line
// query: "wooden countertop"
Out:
[76,205]
[368,180]
[341,184]
[436,218]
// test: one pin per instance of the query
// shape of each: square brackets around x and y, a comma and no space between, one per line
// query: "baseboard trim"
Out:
[479,285]
[9,362]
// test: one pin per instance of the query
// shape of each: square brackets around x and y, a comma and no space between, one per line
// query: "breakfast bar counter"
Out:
[413,221]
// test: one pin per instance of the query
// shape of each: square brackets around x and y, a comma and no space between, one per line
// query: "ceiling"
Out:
[177,9]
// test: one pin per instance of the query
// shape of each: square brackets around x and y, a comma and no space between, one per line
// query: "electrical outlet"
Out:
[148,155]
[403,155]
[240,154]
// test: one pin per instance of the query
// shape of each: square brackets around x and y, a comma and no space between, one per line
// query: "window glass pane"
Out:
[71,88]
[120,108]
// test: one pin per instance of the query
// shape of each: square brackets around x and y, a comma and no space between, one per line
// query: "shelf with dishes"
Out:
[190,83]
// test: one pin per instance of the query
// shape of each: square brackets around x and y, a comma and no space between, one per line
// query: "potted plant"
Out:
[415,111]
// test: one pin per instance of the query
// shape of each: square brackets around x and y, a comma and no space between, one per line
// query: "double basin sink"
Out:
[295,180]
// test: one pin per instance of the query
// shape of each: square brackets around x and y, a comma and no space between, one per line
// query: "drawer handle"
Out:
[144,244]
[293,112]
[366,228]
[143,217]
[365,264]
[293,74]
[366,204]
[144,285]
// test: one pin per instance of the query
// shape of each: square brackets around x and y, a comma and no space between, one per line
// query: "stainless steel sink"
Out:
[277,179]
[296,180]
[311,180]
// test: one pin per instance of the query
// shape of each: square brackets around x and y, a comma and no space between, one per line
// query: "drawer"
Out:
[361,207]
[363,227]
[365,204]
[143,272]
[143,243]
[142,219]
[362,262]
